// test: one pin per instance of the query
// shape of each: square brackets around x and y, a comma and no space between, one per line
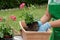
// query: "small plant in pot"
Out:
[6,32]
[32,25]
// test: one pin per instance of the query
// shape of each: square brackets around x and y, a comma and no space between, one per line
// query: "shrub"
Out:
[5,29]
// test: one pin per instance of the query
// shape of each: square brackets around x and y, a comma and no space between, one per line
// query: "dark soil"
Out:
[32,27]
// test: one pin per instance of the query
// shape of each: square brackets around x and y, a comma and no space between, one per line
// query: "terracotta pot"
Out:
[33,35]
[6,37]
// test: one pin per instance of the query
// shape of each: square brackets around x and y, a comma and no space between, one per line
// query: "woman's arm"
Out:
[55,23]
[46,17]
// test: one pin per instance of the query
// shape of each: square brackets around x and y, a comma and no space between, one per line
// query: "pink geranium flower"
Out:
[22,5]
[13,18]
[1,19]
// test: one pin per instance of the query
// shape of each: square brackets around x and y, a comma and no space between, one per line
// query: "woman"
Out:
[52,12]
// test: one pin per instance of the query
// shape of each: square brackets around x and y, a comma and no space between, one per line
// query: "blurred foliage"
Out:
[5,4]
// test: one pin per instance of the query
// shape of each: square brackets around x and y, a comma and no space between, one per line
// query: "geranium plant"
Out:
[6,32]
[31,23]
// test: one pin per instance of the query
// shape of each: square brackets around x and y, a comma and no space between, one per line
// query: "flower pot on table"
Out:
[6,37]
[33,35]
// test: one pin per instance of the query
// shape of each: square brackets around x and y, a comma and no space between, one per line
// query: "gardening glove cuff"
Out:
[39,23]
[44,27]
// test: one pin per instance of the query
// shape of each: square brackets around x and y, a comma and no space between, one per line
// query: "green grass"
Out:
[35,10]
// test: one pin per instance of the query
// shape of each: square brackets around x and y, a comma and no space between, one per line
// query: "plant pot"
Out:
[6,37]
[33,35]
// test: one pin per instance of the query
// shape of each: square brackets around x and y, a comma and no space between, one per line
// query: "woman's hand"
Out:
[44,27]
[39,23]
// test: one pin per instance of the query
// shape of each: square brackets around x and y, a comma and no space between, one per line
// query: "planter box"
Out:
[33,35]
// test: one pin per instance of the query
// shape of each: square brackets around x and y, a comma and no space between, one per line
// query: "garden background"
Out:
[11,7]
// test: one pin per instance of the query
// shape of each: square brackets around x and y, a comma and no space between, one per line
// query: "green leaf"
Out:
[1,34]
